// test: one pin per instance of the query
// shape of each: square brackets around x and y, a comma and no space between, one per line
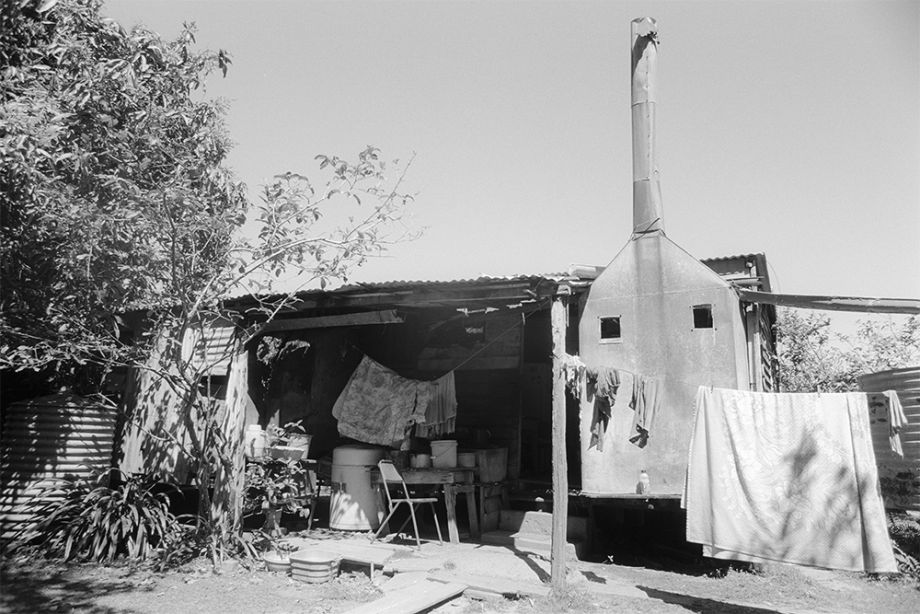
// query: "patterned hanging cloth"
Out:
[378,405]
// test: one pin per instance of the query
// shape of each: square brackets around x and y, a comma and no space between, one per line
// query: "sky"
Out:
[788,128]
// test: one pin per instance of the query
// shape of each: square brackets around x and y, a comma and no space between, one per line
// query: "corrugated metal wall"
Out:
[59,437]
[899,477]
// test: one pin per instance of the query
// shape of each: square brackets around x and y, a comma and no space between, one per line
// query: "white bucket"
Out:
[254,441]
[444,453]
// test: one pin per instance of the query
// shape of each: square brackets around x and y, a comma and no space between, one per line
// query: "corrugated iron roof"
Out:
[735,257]
[457,282]
[423,284]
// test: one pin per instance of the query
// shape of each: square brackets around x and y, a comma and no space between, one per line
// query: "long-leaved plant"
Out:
[114,515]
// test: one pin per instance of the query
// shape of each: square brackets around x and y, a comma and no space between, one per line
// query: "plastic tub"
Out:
[285,452]
[314,566]
[298,440]
[444,453]
[277,562]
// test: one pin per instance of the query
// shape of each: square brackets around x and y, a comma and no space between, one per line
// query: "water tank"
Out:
[46,440]
[899,477]
[355,503]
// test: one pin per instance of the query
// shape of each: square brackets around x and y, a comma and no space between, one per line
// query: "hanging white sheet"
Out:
[786,477]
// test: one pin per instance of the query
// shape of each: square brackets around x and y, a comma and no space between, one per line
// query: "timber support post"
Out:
[558,316]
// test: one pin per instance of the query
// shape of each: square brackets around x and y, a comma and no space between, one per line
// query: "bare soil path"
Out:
[35,586]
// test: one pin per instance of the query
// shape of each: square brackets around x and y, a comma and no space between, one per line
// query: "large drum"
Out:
[355,503]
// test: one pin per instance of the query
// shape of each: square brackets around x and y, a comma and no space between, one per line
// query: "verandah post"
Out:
[558,317]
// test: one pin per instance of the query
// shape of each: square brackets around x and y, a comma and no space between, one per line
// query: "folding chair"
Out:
[390,475]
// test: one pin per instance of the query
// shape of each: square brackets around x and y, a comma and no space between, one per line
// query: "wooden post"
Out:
[560,466]
[750,325]
[229,479]
[758,351]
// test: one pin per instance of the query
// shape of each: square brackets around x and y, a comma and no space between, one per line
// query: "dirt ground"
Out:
[631,586]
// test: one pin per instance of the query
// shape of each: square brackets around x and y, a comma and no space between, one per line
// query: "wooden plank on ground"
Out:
[412,599]
[404,580]
[406,565]
[507,587]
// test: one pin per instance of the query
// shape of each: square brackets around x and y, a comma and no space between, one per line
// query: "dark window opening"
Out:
[702,316]
[610,327]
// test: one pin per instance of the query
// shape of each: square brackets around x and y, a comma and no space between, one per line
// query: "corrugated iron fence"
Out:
[44,441]
[899,477]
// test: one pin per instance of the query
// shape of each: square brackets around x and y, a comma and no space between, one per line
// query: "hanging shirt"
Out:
[441,413]
[786,477]
[378,405]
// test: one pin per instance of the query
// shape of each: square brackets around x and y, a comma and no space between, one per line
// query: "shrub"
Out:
[91,520]
[275,483]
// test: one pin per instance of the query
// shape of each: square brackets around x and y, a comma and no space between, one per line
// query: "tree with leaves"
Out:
[115,197]
[813,358]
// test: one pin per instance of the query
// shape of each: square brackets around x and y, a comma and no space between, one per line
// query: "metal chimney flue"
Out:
[647,210]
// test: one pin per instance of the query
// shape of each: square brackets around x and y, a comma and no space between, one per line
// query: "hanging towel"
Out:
[646,398]
[441,413]
[378,405]
[786,477]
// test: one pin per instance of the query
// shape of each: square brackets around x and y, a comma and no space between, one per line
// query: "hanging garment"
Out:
[897,420]
[786,477]
[646,398]
[441,413]
[602,384]
[885,408]
[573,370]
[378,405]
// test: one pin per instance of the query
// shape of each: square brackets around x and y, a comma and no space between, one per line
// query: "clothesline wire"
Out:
[490,343]
[524,316]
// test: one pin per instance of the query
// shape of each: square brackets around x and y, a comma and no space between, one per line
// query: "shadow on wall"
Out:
[45,440]
[155,439]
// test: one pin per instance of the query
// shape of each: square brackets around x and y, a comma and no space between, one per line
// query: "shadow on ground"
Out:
[701,605]
[35,588]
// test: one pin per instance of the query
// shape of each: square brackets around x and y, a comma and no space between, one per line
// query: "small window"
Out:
[702,316]
[610,327]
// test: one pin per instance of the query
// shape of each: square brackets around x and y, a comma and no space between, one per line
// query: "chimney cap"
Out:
[644,26]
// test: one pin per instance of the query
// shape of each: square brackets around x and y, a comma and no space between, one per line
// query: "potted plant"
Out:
[289,441]
[273,487]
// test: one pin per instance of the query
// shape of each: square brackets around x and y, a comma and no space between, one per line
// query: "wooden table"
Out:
[454,481]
